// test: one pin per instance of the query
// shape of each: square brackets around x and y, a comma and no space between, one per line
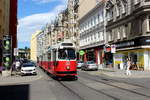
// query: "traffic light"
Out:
[6,60]
[6,44]
[7,51]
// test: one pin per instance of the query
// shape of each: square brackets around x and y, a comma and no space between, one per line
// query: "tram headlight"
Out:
[68,67]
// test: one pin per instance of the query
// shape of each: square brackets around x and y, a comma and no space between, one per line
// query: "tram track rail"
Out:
[71,90]
[98,91]
[106,83]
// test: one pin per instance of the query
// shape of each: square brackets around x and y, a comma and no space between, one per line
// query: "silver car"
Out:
[79,64]
[89,65]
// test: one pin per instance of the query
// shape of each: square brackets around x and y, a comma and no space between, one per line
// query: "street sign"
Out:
[15,51]
[81,52]
[113,48]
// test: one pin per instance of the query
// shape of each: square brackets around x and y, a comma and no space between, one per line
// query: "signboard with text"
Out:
[15,51]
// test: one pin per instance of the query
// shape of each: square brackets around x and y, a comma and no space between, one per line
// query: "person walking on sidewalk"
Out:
[13,69]
[128,72]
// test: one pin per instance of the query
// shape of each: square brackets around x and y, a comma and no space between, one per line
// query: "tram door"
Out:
[49,60]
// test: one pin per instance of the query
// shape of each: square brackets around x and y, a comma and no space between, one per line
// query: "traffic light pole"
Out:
[7,52]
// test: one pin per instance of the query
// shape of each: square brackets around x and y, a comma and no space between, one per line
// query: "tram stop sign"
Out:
[81,52]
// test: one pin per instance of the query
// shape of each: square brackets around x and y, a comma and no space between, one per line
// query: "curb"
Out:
[124,76]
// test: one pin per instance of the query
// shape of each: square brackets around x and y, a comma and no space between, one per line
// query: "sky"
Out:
[33,15]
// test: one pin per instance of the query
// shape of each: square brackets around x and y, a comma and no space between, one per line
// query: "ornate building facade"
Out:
[127,27]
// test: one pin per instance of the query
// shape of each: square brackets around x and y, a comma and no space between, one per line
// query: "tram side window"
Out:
[49,56]
[54,55]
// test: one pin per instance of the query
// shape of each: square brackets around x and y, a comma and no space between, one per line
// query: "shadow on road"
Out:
[15,92]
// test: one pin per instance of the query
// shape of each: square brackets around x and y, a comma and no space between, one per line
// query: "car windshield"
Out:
[66,54]
[90,62]
[28,65]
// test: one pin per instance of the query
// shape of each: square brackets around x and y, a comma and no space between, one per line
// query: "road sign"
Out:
[81,52]
[15,51]
[113,48]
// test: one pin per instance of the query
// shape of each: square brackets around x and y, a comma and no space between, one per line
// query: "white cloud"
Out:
[47,1]
[30,24]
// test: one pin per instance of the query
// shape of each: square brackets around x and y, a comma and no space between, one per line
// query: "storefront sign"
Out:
[113,48]
[125,44]
[139,41]
[16,51]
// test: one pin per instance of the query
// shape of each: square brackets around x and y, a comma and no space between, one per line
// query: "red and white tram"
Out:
[60,60]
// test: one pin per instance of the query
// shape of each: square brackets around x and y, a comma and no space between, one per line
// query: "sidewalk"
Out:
[122,73]
[7,79]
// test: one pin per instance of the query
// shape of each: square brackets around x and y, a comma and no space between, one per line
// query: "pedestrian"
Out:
[17,65]
[13,68]
[128,72]
[1,69]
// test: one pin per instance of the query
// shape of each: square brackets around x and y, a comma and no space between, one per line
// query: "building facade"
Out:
[4,17]
[91,33]
[85,6]
[127,28]
[33,45]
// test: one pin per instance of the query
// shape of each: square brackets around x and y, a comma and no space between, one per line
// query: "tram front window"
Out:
[66,54]
[71,54]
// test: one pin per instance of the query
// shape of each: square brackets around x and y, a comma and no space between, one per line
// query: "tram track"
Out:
[106,83]
[66,85]
[113,80]
[71,90]
[98,91]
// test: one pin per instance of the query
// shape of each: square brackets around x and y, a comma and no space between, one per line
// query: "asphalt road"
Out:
[87,87]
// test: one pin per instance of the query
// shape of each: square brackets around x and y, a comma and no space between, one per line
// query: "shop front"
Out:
[137,59]
[138,50]
[94,54]
[108,57]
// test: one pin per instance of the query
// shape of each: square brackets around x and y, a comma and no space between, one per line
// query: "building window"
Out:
[98,18]
[123,32]
[136,1]
[91,22]
[94,20]
[109,36]
[95,36]
[149,23]
[118,33]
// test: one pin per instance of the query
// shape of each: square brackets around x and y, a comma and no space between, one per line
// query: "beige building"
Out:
[33,46]
[85,6]
[4,17]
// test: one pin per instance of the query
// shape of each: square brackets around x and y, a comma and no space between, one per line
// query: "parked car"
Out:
[28,68]
[89,65]
[79,64]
